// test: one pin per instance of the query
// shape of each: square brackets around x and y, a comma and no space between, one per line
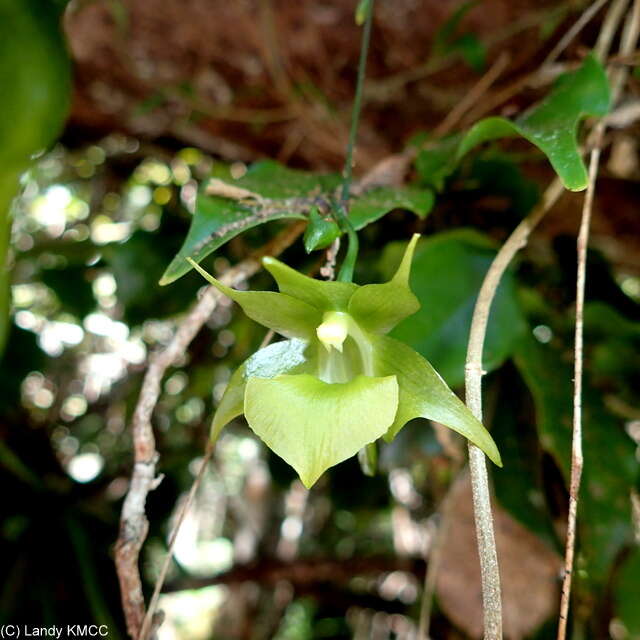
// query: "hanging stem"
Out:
[490,576]
[618,77]
[357,103]
[342,208]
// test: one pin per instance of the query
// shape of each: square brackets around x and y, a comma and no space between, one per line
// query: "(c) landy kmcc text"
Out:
[59,632]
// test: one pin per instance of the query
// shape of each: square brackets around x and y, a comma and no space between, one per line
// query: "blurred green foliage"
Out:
[35,76]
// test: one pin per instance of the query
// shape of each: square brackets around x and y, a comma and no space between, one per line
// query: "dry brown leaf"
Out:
[529,571]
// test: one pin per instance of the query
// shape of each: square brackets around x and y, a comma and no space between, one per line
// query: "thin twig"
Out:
[609,28]
[573,31]
[394,84]
[490,576]
[618,78]
[635,515]
[473,96]
[133,522]
[576,439]
[547,71]
[150,617]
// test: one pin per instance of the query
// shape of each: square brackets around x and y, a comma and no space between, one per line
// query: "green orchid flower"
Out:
[337,383]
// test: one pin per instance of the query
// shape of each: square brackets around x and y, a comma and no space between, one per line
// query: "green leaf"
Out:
[284,314]
[447,31]
[379,307]
[374,204]
[215,221]
[314,425]
[610,467]
[368,208]
[551,125]
[447,272]
[322,294]
[274,181]
[472,51]
[36,81]
[499,174]
[320,232]
[519,487]
[424,394]
[612,349]
[436,164]
[286,357]
[274,192]
[602,320]
[467,45]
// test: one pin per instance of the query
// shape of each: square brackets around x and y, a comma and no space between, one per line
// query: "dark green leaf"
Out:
[551,126]
[374,204]
[35,76]
[499,174]
[320,232]
[519,487]
[447,272]
[215,221]
[603,320]
[8,189]
[367,208]
[276,193]
[272,180]
[472,51]
[447,31]
[626,595]
[610,467]
[137,264]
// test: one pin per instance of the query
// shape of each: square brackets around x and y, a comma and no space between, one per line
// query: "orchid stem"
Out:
[348,264]
[342,209]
